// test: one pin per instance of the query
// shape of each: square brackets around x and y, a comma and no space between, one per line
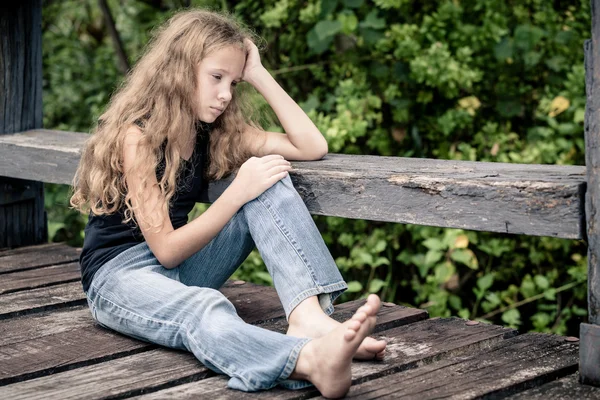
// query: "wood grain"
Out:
[42,255]
[409,348]
[41,299]
[46,276]
[499,370]
[22,217]
[564,388]
[541,200]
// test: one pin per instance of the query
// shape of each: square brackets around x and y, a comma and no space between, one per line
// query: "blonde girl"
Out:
[176,122]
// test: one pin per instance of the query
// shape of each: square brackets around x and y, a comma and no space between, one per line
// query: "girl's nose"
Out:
[225,95]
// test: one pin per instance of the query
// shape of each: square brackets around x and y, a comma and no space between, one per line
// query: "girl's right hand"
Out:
[258,174]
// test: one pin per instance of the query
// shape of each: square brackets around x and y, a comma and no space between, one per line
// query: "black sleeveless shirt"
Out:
[106,236]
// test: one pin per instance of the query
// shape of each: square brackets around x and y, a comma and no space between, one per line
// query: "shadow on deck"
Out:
[51,348]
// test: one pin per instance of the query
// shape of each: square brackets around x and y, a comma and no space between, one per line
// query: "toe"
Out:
[354,325]
[349,335]
[360,316]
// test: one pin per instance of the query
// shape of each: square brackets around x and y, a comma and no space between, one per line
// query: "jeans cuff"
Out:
[333,291]
[289,368]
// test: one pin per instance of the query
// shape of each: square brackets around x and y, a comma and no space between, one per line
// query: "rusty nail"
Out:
[471,323]
[239,282]
[388,304]
[571,339]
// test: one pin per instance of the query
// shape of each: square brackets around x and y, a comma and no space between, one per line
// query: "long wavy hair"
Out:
[160,92]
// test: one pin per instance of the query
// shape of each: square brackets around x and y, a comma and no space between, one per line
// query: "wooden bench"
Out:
[50,347]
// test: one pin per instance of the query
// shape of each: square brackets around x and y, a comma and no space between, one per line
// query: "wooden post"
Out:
[589,350]
[22,216]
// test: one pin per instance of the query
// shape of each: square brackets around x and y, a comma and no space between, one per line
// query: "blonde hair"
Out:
[159,91]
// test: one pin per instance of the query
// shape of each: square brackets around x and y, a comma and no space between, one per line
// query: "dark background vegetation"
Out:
[485,80]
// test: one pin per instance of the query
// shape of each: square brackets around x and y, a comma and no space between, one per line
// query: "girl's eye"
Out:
[234,83]
[217,77]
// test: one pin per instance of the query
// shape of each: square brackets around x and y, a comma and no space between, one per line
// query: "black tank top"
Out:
[106,236]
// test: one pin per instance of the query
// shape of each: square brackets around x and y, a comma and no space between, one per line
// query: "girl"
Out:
[176,122]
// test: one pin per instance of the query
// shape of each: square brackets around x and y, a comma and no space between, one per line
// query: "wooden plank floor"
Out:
[50,348]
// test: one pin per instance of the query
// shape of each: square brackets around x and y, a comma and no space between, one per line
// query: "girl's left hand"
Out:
[253,63]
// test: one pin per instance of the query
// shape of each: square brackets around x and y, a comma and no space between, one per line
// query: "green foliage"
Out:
[481,80]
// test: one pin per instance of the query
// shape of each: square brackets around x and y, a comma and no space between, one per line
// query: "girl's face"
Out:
[218,73]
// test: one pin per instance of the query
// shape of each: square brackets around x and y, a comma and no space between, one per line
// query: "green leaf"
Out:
[541,282]
[375,285]
[455,302]
[371,21]
[550,294]
[316,44]
[370,36]
[327,29]
[433,244]
[485,282]
[528,36]
[353,3]
[504,49]
[381,261]
[354,287]
[512,317]
[380,246]
[528,287]
[327,7]
[433,256]
[465,256]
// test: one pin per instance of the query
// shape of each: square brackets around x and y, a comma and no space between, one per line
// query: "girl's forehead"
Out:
[230,58]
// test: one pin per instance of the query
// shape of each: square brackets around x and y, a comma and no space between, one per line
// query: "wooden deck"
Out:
[50,348]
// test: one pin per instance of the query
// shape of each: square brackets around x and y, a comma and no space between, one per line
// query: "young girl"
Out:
[147,273]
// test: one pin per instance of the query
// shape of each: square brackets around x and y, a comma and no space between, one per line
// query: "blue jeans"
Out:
[181,307]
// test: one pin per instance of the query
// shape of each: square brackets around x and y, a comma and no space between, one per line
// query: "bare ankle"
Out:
[303,368]
[307,308]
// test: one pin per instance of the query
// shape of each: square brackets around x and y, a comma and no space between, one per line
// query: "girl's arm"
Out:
[302,140]
[172,246]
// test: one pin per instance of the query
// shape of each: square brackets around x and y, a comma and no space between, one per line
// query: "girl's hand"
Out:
[258,174]
[253,63]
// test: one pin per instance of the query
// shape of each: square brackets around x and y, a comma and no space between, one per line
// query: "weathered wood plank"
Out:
[564,388]
[46,276]
[589,367]
[21,109]
[33,326]
[253,303]
[135,374]
[544,200]
[409,347]
[41,299]
[506,368]
[64,351]
[67,339]
[43,255]
[68,349]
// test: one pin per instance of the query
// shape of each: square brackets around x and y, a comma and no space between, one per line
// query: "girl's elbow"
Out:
[165,259]
[323,152]
[320,151]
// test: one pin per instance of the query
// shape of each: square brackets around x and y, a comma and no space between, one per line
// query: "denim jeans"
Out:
[181,307]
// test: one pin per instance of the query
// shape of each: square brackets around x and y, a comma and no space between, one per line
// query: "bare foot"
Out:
[326,361]
[321,324]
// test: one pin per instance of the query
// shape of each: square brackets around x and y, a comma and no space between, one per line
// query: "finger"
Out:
[275,163]
[271,157]
[279,169]
[277,177]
